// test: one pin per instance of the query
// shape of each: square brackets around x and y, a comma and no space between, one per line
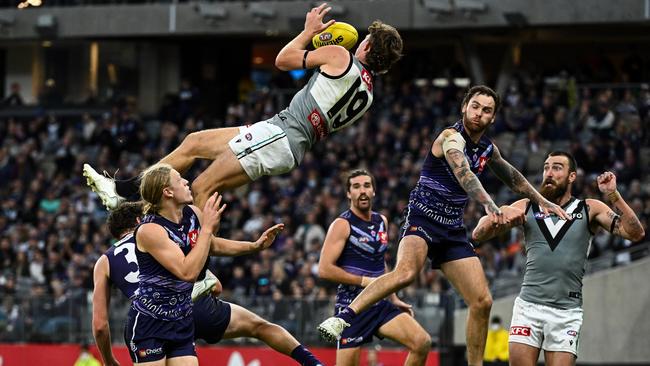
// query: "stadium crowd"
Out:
[52,226]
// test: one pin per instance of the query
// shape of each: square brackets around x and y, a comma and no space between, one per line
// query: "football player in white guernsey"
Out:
[548,311]
[338,94]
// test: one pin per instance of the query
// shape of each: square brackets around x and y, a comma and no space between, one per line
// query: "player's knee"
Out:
[482,304]
[191,142]
[422,343]
[405,276]
[258,325]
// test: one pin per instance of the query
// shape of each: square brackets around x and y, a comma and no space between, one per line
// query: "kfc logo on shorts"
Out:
[193,236]
[365,76]
[572,333]
[249,136]
[520,331]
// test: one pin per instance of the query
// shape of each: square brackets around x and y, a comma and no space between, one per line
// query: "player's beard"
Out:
[471,126]
[555,190]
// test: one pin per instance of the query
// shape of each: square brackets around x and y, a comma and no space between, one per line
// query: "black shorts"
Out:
[211,318]
[366,324]
[149,339]
[444,244]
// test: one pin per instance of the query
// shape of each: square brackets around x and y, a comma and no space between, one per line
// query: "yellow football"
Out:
[339,33]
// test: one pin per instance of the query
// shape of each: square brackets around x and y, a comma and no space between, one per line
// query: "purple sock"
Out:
[304,357]
[346,314]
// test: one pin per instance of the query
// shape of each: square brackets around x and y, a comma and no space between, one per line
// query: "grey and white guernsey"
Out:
[325,105]
[556,252]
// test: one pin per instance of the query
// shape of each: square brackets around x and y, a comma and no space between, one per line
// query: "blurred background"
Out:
[118,84]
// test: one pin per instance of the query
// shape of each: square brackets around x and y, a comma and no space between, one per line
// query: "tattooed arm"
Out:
[515,214]
[465,177]
[624,221]
[519,184]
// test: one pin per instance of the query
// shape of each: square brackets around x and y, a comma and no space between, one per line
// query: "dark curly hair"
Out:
[482,90]
[385,46]
[124,218]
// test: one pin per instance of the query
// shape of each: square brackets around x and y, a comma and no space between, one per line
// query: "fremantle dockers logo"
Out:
[325,37]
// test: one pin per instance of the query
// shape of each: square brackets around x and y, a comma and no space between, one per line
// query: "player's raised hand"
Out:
[606,182]
[514,215]
[268,237]
[314,19]
[549,207]
[407,308]
[495,214]
[212,212]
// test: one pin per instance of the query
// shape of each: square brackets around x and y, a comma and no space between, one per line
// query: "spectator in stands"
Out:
[496,346]
[14,99]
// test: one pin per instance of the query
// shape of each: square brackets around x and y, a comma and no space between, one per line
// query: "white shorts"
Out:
[545,327]
[262,149]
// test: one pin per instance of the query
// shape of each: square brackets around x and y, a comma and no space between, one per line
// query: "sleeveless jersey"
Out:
[363,253]
[123,265]
[325,105]
[556,256]
[438,195]
[161,294]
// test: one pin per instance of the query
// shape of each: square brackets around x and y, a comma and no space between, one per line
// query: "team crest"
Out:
[367,79]
[481,163]
[193,236]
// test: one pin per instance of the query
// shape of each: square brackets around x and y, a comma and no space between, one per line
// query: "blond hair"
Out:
[152,183]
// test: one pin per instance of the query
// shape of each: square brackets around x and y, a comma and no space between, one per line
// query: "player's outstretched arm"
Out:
[451,144]
[519,184]
[486,230]
[101,302]
[232,248]
[624,221]
[294,55]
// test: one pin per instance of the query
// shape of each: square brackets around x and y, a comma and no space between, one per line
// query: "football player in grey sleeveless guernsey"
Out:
[338,94]
[548,311]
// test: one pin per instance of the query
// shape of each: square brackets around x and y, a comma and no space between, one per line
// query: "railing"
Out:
[44,318]
[29,318]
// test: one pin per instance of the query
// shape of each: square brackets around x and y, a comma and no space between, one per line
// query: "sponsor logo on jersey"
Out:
[540,215]
[367,79]
[318,124]
[193,236]
[383,237]
[521,331]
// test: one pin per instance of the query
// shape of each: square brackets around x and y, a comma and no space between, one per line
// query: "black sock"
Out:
[128,188]
[304,357]
[346,314]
